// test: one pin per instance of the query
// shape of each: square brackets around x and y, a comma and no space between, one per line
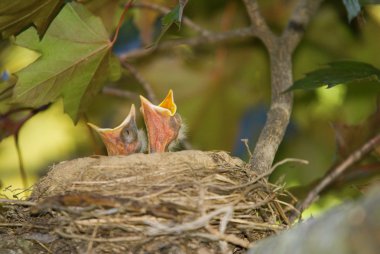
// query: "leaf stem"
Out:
[126,8]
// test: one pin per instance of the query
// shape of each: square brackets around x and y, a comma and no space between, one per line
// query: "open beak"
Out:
[123,139]
[162,122]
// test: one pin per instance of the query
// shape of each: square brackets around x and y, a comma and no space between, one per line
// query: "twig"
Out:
[305,162]
[17,202]
[256,225]
[102,240]
[348,162]
[91,243]
[164,10]
[24,178]
[214,37]
[245,142]
[43,246]
[160,229]
[217,236]
[121,20]
[265,174]
[113,91]
[22,225]
[145,84]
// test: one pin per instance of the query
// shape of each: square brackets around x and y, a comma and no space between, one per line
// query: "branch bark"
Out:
[280,53]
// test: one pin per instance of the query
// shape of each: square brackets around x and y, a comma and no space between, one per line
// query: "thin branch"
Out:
[259,25]
[17,202]
[298,22]
[24,177]
[164,10]
[145,84]
[215,37]
[335,173]
[113,91]
[121,20]
[93,239]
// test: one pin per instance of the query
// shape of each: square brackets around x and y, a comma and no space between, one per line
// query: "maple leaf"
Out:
[75,62]
[15,15]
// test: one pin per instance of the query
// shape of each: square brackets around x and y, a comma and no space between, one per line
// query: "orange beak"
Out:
[162,122]
[122,140]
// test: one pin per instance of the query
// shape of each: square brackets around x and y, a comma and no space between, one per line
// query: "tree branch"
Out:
[113,91]
[145,84]
[335,173]
[164,10]
[259,25]
[280,52]
[298,22]
[217,37]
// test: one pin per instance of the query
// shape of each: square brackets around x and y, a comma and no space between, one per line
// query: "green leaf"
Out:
[75,62]
[336,73]
[15,15]
[173,17]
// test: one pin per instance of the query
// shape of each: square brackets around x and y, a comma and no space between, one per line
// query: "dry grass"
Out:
[183,202]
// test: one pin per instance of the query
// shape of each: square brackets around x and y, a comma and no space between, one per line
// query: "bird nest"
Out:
[182,202]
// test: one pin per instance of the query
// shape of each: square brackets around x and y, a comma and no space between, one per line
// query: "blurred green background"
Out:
[222,92]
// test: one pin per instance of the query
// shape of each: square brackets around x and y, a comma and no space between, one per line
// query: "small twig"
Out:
[102,240]
[113,91]
[161,229]
[145,84]
[256,205]
[121,20]
[17,202]
[335,173]
[256,225]
[305,162]
[22,225]
[91,242]
[217,236]
[245,142]
[24,177]
[281,212]
[164,10]
[43,246]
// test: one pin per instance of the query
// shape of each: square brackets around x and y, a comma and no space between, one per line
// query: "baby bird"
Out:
[125,139]
[162,123]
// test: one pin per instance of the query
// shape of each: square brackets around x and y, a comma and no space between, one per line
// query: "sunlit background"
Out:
[222,93]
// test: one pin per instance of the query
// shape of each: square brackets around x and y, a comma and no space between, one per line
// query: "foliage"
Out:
[76,61]
[15,15]
[336,73]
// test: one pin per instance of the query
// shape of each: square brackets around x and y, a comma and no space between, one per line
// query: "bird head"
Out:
[162,122]
[124,139]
